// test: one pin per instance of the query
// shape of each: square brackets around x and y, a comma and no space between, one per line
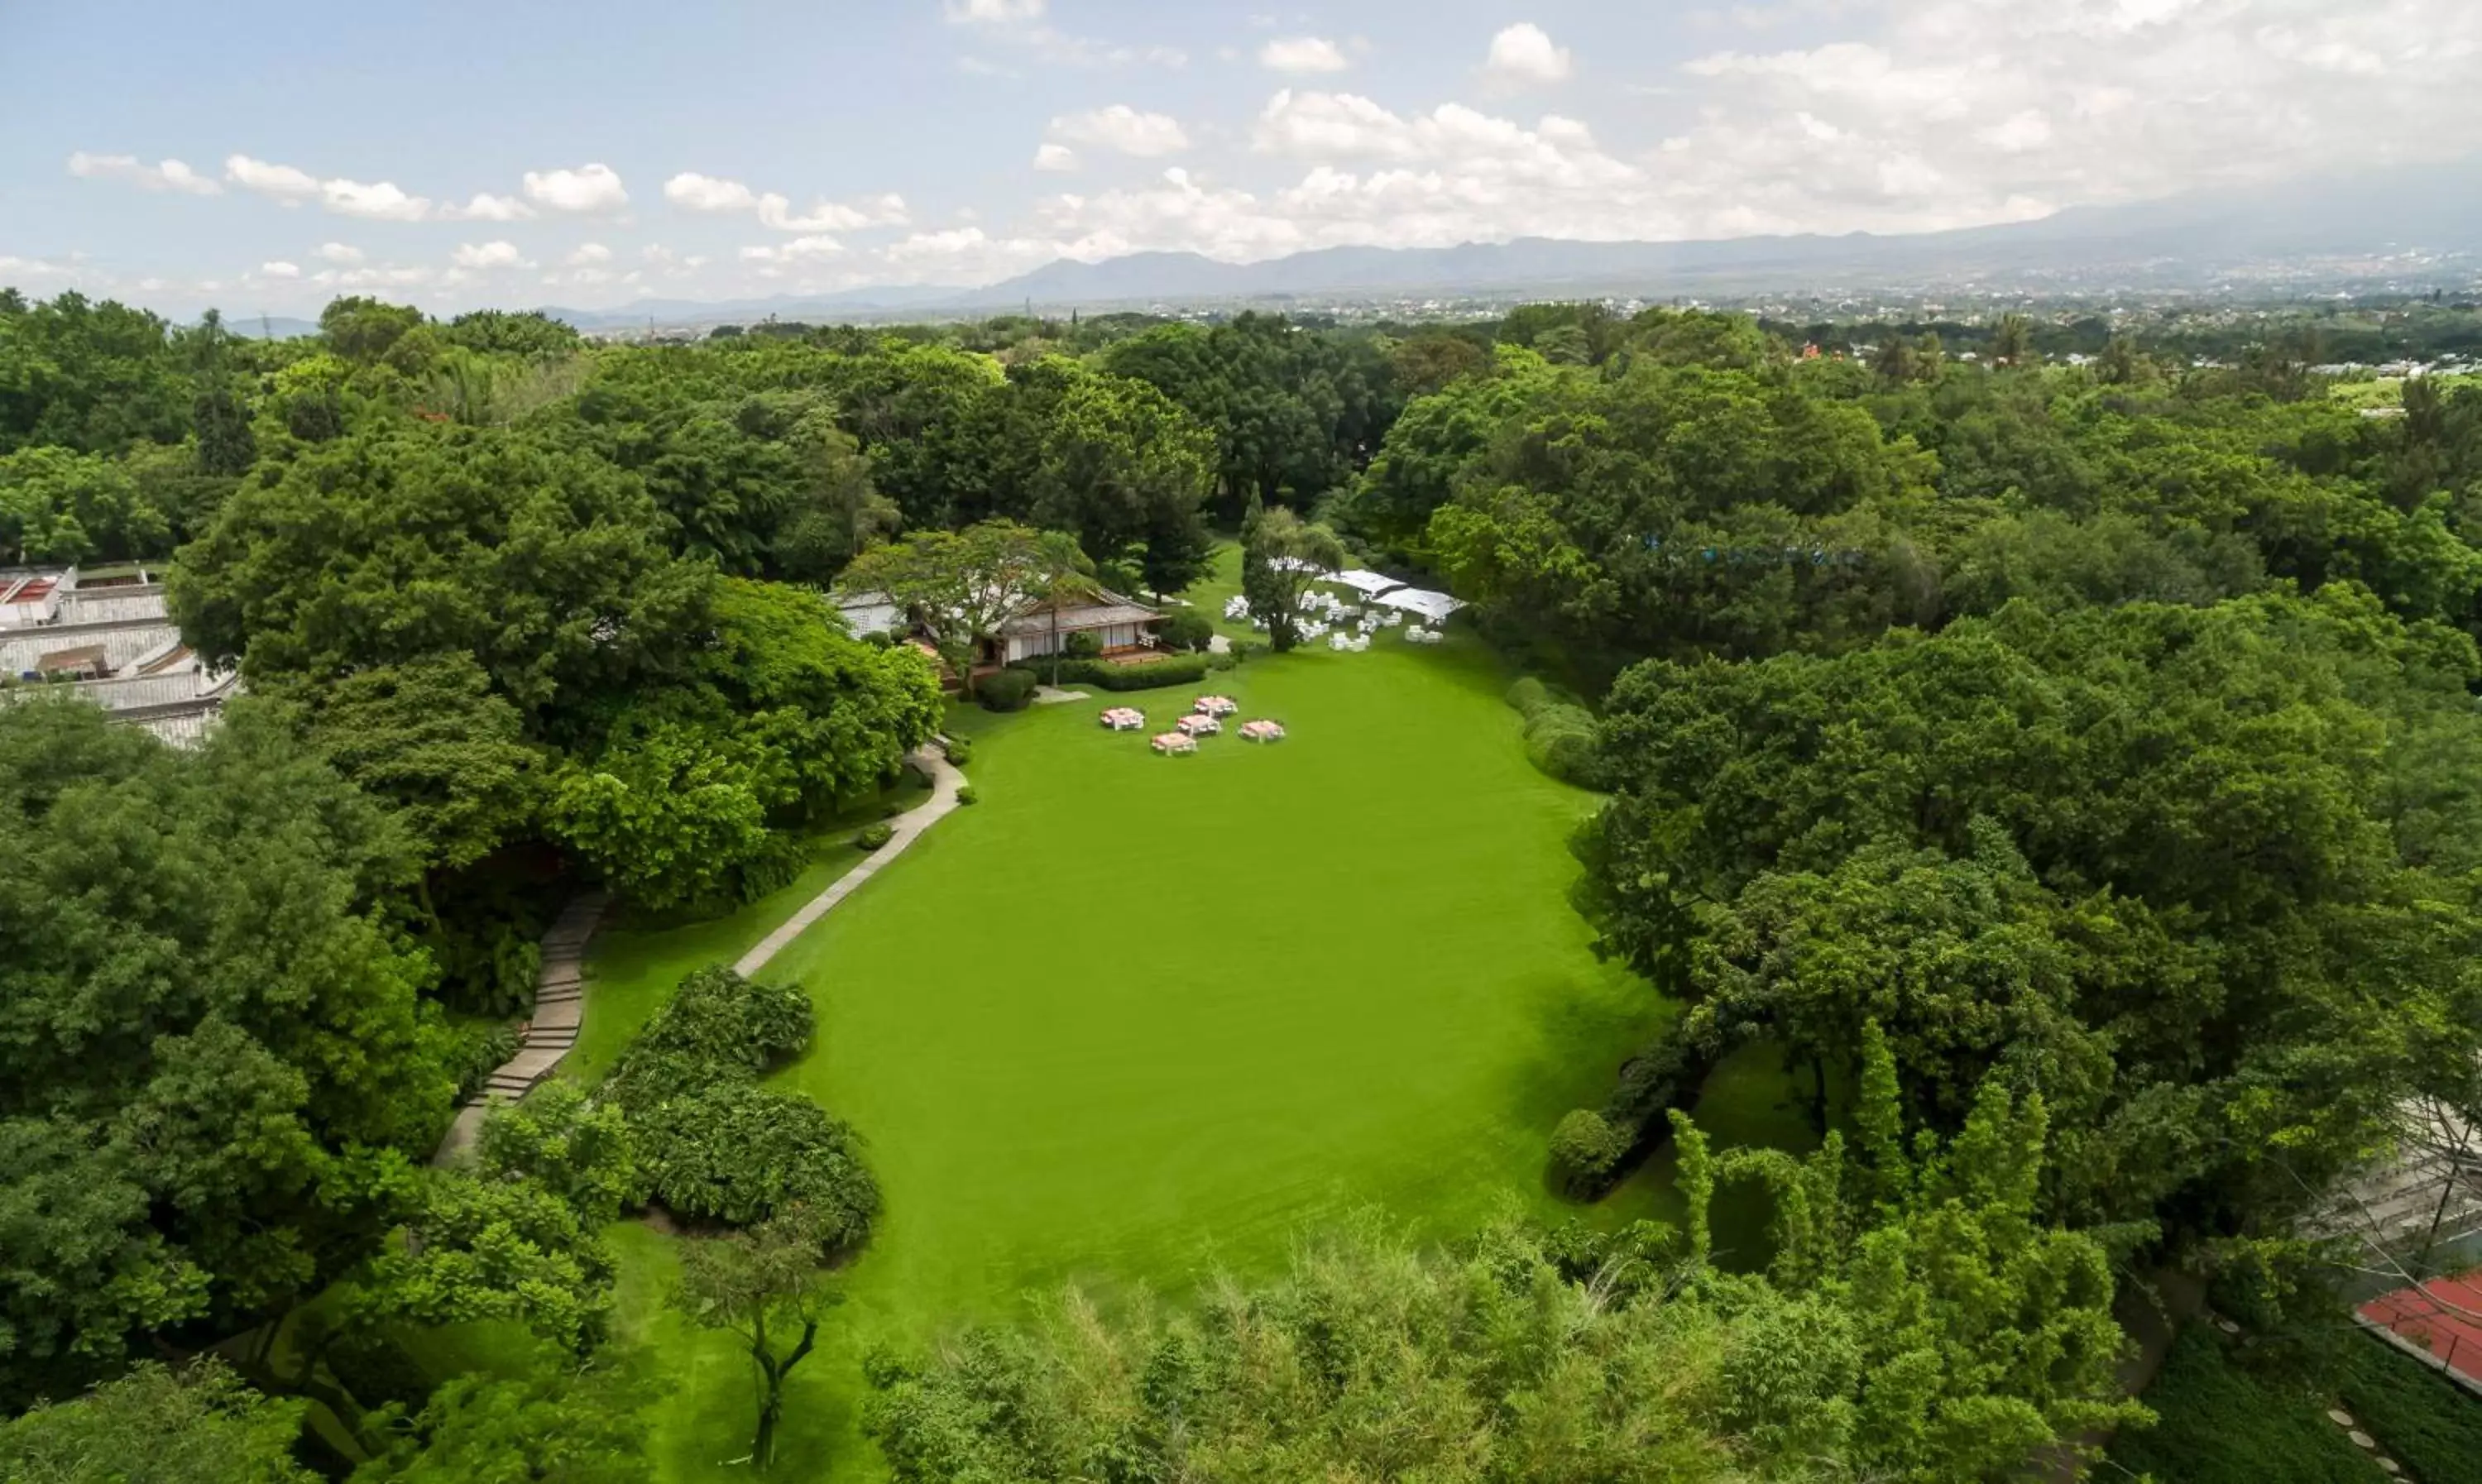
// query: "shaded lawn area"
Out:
[638,957]
[2218,1424]
[1133,1018]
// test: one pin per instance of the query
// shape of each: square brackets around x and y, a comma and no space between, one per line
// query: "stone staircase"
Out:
[560,1009]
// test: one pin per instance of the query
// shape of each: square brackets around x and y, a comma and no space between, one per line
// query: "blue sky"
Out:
[268,156]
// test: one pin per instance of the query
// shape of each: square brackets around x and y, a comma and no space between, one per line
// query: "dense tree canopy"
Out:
[213,1062]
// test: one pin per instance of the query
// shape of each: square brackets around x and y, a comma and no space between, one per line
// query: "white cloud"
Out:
[339,253]
[162,175]
[693,192]
[588,252]
[487,207]
[35,267]
[992,13]
[281,181]
[390,277]
[1522,54]
[796,251]
[279,270]
[1019,24]
[964,255]
[483,256]
[588,190]
[1055,159]
[1124,129]
[378,201]
[1302,55]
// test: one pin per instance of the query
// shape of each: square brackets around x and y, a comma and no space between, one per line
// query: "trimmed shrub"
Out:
[739,1153]
[718,1026]
[959,750]
[1187,628]
[1529,696]
[1561,740]
[873,837]
[966,796]
[1585,1151]
[1007,691]
[1153,674]
[1082,646]
[878,639]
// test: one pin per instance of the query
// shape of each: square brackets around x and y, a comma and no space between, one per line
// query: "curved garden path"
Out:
[909,826]
[560,992]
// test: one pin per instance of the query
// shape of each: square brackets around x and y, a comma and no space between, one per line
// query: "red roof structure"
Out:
[2443,1316]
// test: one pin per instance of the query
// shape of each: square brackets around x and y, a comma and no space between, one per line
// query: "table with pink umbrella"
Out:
[1262,730]
[1124,719]
[1215,705]
[1173,743]
[1200,725]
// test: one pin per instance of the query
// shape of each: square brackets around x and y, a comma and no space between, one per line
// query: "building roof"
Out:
[84,656]
[1105,610]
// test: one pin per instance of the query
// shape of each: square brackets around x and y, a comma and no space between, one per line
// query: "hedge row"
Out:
[1153,674]
[1007,691]
[1561,737]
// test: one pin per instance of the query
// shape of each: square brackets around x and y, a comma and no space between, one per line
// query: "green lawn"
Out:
[1134,1018]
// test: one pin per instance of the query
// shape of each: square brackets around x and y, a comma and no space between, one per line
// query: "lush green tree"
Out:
[429,738]
[1281,556]
[1123,469]
[2141,858]
[491,1246]
[964,585]
[156,1425]
[403,544]
[362,330]
[765,1288]
[1414,470]
[564,1141]
[556,1425]
[501,333]
[213,1061]
[95,377]
[58,506]
[743,1154]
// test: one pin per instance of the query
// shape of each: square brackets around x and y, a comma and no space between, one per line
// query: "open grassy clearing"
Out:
[1131,1019]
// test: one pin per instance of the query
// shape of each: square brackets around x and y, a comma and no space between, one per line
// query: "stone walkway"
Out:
[1052,696]
[945,781]
[560,1008]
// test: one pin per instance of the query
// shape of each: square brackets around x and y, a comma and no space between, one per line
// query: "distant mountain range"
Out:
[2334,230]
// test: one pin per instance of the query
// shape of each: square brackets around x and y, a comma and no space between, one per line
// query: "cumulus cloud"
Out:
[487,207]
[587,254]
[1055,158]
[378,200]
[279,270]
[693,192]
[1122,129]
[340,253]
[798,250]
[992,13]
[162,175]
[964,254]
[482,256]
[1019,24]
[281,181]
[1303,54]
[588,190]
[1523,55]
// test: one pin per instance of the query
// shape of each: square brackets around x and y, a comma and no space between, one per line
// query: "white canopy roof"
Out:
[1431,605]
[1365,581]
[1293,564]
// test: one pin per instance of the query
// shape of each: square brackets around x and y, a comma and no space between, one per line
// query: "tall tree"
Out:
[1281,556]
[767,1288]
[157,1425]
[962,585]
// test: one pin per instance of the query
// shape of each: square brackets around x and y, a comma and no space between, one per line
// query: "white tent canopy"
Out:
[1293,564]
[1433,606]
[1365,581]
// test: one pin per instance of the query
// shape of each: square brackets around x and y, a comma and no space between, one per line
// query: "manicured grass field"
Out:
[1133,1018]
